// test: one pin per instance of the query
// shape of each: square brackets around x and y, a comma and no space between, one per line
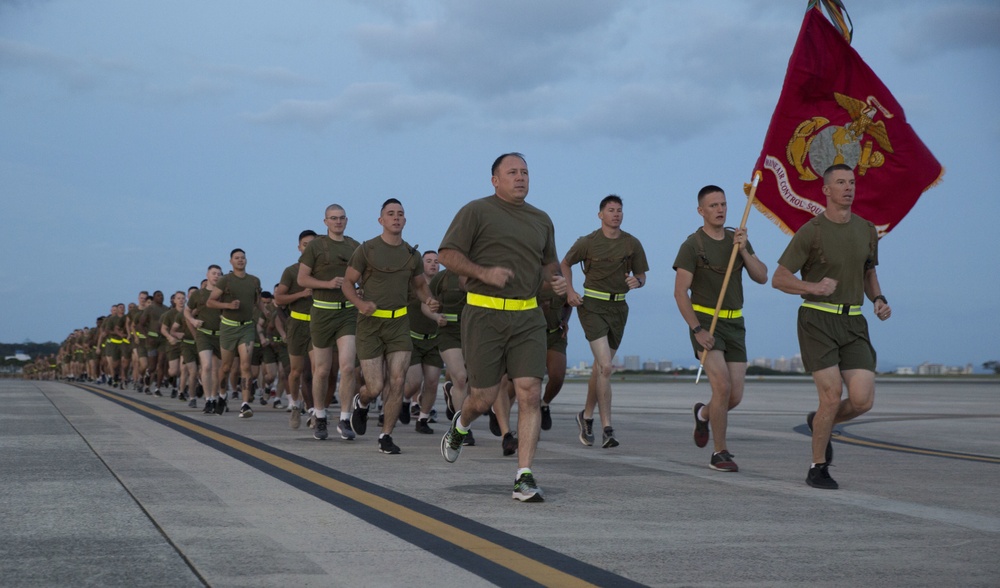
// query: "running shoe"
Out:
[320,431]
[193,403]
[469,440]
[209,407]
[700,427]
[385,445]
[546,418]
[245,411]
[221,405]
[276,405]
[526,490]
[404,413]
[494,424]
[452,441]
[819,477]
[509,444]
[295,419]
[359,418]
[609,440]
[344,428]
[423,427]
[723,462]
[414,409]
[829,442]
[586,429]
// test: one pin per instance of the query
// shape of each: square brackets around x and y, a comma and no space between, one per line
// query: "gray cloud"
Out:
[950,27]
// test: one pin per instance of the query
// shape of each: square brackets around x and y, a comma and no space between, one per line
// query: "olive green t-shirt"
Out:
[151,317]
[168,319]
[132,319]
[492,232]
[290,280]
[245,289]
[328,259]
[209,317]
[386,271]
[419,322]
[607,262]
[446,288]
[710,271]
[843,251]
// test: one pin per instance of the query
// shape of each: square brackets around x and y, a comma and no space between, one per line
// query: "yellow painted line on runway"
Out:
[916,450]
[520,564]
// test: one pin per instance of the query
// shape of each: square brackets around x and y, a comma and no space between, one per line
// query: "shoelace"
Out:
[526,481]
[455,438]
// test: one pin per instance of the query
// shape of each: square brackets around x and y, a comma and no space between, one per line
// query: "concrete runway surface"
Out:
[101,487]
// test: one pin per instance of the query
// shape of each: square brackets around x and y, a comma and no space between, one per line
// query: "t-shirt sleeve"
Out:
[459,233]
[797,253]
[687,257]
[578,252]
[640,264]
[308,256]
[358,260]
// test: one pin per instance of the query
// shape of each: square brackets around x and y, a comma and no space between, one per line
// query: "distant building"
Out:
[782,364]
[795,365]
[632,362]
[664,366]
[649,366]
[761,362]
[904,371]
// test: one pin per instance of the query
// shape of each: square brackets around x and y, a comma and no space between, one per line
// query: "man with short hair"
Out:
[237,295]
[701,265]
[506,248]
[149,323]
[386,268]
[836,253]
[613,263]
[333,319]
[206,322]
[298,300]
[424,372]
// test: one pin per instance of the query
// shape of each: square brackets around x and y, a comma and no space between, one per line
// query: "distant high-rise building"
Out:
[649,366]
[796,364]
[782,364]
[761,362]
[664,366]
[632,362]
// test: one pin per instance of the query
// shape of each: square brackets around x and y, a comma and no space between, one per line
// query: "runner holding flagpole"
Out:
[718,333]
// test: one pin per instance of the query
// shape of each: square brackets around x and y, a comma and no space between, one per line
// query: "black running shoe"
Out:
[246,411]
[494,424]
[404,413]
[819,477]
[829,443]
[173,393]
[220,405]
[320,431]
[209,407]
[423,427]
[609,440]
[546,418]
[526,490]
[385,445]
[469,440]
[586,429]
[359,418]
[509,444]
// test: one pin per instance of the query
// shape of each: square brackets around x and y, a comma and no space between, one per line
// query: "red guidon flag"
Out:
[834,109]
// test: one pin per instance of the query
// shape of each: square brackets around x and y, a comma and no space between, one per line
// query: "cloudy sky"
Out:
[142,141]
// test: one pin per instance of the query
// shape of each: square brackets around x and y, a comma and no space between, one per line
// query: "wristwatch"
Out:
[696,330]
[880,297]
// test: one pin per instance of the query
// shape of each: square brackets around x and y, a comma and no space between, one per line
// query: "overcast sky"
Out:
[141,141]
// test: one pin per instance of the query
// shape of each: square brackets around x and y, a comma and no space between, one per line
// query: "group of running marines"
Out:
[354,323]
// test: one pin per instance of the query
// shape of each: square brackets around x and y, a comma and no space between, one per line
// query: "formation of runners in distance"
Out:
[353,325]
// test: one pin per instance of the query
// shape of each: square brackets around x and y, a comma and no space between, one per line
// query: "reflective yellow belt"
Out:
[588,293]
[232,323]
[277,339]
[555,330]
[300,316]
[332,305]
[500,303]
[116,341]
[848,309]
[385,313]
[208,332]
[140,335]
[152,334]
[422,336]
[726,314]
[188,341]
[451,318]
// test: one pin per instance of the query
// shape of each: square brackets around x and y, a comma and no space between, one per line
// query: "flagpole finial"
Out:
[837,14]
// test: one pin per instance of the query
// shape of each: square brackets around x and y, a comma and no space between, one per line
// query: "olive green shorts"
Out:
[206,342]
[231,337]
[555,340]
[114,351]
[377,337]
[189,351]
[827,339]
[603,318]
[257,357]
[326,326]
[730,337]
[173,351]
[298,337]
[450,336]
[425,352]
[498,342]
